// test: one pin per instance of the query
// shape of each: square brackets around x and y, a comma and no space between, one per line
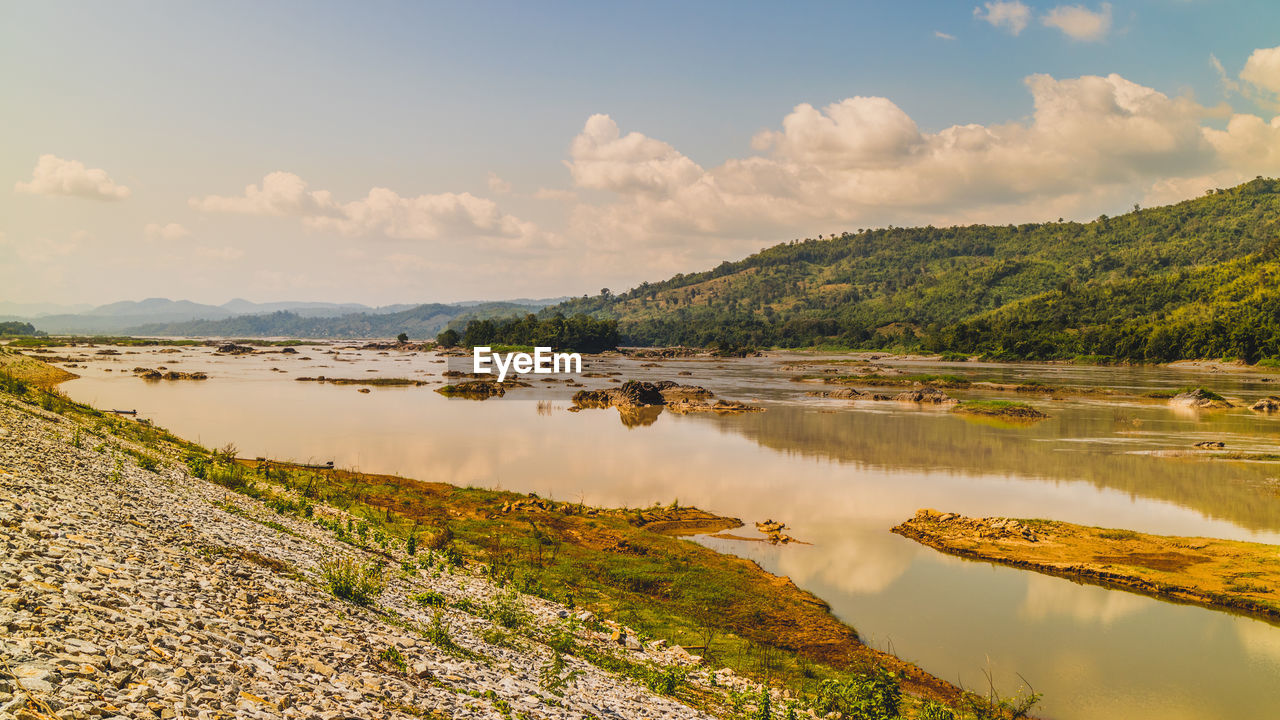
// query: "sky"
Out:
[392,152]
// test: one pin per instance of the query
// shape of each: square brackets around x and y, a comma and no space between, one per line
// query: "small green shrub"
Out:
[875,695]
[508,611]
[430,598]
[554,674]
[496,636]
[995,707]
[353,582]
[392,656]
[564,638]
[933,710]
[197,465]
[665,680]
[231,477]
[438,635]
[1118,535]
[764,706]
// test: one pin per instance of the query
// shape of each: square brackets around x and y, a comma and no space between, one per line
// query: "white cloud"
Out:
[56,176]
[498,185]
[1012,16]
[425,217]
[864,162]
[1177,189]
[942,35]
[1248,144]
[1228,85]
[859,132]
[603,159]
[281,193]
[1079,22]
[1262,70]
[443,216]
[168,231]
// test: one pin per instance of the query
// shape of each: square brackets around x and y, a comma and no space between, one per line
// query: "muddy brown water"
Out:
[840,473]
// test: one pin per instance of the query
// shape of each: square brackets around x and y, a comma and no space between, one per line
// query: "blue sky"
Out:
[473,117]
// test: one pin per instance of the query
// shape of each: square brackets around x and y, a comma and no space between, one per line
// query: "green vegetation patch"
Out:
[92,340]
[579,332]
[1006,409]
[374,381]
[939,381]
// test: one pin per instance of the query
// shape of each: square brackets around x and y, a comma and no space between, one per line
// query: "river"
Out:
[840,473]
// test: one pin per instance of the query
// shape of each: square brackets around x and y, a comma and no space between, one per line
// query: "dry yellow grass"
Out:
[31,370]
[1239,576]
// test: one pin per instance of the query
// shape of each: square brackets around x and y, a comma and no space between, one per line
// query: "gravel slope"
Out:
[130,593]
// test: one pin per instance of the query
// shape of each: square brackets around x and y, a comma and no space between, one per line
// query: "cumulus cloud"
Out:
[498,185]
[864,161]
[55,176]
[281,193]
[1079,22]
[1010,15]
[604,159]
[859,132]
[1249,144]
[423,217]
[167,231]
[1262,70]
[944,36]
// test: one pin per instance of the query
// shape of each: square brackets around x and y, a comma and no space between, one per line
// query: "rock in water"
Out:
[927,395]
[1268,404]
[1199,398]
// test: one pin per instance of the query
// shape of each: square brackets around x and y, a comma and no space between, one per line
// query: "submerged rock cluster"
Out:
[991,528]
[1199,398]
[923,394]
[636,394]
[153,374]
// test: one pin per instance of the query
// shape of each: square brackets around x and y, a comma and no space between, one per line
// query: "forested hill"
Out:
[420,322]
[1195,279]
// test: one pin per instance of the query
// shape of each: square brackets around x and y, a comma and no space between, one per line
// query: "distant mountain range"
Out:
[419,322]
[242,318]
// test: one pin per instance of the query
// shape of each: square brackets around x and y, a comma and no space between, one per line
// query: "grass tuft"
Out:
[349,580]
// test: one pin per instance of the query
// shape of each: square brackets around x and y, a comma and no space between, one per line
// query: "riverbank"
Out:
[482,592]
[1224,574]
[30,370]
